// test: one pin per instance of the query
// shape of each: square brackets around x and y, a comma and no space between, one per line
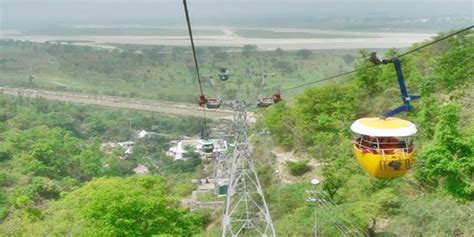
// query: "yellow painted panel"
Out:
[377,165]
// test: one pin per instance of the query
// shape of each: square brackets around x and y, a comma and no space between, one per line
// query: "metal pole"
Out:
[277,172]
[314,199]
[279,187]
[315,215]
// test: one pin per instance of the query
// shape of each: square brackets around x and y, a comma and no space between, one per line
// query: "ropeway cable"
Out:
[371,66]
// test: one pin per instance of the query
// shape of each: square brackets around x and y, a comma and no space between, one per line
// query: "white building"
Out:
[141,169]
[128,146]
[144,133]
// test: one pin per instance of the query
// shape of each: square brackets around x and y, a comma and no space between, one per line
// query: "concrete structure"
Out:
[144,133]
[127,145]
[141,169]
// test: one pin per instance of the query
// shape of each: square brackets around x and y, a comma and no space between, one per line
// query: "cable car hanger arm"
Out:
[406,98]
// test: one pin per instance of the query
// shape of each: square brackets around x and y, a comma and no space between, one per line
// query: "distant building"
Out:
[144,133]
[128,146]
[141,169]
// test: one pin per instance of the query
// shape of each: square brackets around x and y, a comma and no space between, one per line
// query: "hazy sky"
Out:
[33,13]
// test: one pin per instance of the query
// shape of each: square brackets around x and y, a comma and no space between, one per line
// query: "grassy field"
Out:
[158,72]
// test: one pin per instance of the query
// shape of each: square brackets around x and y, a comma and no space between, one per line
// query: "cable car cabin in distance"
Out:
[268,101]
[384,147]
[265,102]
[223,74]
[207,146]
[213,103]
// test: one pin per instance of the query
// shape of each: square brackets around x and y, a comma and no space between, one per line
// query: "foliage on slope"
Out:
[158,72]
[134,206]
[318,123]
[52,164]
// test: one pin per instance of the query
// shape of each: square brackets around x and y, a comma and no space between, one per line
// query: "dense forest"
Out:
[55,179]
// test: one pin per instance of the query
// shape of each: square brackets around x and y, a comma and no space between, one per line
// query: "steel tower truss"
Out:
[221,164]
[246,209]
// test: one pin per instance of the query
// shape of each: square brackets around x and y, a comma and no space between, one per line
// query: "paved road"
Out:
[123,102]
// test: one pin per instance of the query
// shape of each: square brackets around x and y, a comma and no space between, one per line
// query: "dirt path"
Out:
[123,102]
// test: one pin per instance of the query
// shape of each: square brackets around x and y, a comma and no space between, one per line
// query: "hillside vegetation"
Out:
[55,180]
[160,72]
[436,197]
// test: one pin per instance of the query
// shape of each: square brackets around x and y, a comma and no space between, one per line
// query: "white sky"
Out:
[22,13]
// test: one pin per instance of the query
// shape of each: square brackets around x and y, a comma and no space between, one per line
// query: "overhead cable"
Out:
[371,66]
[190,31]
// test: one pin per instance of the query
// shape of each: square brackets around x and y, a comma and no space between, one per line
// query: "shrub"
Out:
[298,168]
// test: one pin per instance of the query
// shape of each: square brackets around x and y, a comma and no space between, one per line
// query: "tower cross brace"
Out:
[246,209]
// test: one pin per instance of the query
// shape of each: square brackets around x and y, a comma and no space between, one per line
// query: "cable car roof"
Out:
[389,127]
[207,141]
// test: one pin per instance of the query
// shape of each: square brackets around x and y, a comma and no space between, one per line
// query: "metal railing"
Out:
[384,148]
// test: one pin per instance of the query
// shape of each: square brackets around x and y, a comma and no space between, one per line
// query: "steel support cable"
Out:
[339,228]
[349,221]
[190,31]
[329,78]
[344,223]
[196,65]
[204,133]
[433,42]
[398,56]
[325,201]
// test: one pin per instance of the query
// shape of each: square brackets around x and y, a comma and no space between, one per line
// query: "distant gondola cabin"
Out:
[213,103]
[384,146]
[207,146]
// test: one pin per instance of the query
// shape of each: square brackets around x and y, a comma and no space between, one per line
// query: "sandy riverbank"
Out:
[229,37]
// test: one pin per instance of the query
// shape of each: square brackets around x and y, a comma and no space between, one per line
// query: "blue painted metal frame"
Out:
[403,90]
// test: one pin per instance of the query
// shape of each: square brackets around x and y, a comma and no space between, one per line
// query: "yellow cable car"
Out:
[384,146]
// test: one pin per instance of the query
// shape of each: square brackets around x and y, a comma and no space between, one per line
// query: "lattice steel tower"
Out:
[221,163]
[246,209]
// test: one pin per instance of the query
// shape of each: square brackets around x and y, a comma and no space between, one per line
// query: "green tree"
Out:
[348,58]
[304,53]
[136,206]
[428,216]
[279,121]
[285,66]
[328,109]
[249,49]
[449,159]
[454,68]
[279,52]
[298,168]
